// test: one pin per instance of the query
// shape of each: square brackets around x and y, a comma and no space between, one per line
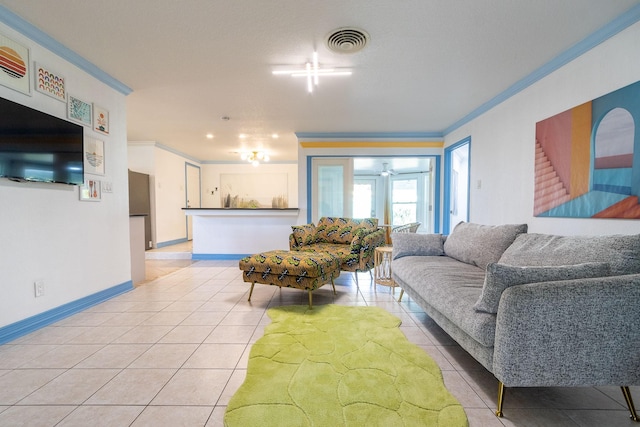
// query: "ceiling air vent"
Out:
[347,40]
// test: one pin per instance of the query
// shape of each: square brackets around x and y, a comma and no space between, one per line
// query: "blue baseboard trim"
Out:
[33,323]
[218,256]
[171,242]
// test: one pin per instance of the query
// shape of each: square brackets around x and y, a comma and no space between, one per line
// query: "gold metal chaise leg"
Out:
[500,398]
[401,293]
[310,300]
[627,397]
[251,290]
[333,285]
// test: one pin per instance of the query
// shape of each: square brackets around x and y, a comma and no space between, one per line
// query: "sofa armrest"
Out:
[364,243]
[581,332]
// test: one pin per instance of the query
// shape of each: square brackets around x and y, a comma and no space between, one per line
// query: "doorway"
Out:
[456,184]
[391,189]
[192,193]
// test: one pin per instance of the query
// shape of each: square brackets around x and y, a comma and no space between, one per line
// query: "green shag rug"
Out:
[340,366]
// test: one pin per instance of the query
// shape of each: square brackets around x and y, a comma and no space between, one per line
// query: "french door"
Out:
[331,188]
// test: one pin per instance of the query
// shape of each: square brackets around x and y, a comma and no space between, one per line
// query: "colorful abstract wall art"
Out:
[587,162]
[14,65]
[79,110]
[50,82]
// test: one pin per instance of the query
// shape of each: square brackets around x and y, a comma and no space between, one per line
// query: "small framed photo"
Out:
[91,191]
[49,82]
[14,65]
[100,119]
[93,156]
[79,110]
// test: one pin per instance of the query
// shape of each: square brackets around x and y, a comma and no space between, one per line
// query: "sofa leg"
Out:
[333,285]
[310,300]
[500,399]
[251,290]
[627,397]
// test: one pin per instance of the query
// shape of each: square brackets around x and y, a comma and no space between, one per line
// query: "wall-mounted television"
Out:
[35,146]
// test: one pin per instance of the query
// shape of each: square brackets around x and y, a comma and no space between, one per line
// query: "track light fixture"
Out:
[312,72]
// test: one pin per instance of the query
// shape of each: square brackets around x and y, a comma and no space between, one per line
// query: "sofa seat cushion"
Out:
[622,252]
[481,244]
[340,251]
[452,288]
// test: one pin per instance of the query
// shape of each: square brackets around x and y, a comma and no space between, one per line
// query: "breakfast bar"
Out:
[231,233]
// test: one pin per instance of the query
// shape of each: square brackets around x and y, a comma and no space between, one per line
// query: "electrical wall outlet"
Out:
[38,288]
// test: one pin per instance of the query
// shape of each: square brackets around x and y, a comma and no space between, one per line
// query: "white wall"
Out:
[211,179]
[502,139]
[46,233]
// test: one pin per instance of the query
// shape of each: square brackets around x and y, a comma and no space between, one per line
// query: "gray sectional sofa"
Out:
[534,309]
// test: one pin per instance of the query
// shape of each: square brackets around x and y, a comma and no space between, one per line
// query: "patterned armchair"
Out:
[351,240]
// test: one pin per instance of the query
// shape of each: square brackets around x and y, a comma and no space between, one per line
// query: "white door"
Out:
[193,196]
[364,198]
[331,188]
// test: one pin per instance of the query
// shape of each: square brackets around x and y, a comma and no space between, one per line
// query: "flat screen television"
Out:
[35,146]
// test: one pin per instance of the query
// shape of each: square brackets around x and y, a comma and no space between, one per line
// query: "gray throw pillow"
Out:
[479,245]
[500,276]
[411,244]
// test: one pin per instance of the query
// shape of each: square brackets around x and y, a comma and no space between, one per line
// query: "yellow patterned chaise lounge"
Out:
[350,240]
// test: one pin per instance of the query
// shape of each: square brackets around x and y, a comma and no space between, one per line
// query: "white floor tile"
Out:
[175,349]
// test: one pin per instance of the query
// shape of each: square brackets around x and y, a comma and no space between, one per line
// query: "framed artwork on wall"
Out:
[100,119]
[79,110]
[14,65]
[93,156]
[49,82]
[587,159]
[91,191]
[252,191]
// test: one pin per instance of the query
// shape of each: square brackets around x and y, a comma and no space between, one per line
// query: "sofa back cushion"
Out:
[342,230]
[412,244]
[481,244]
[304,234]
[499,277]
[622,252]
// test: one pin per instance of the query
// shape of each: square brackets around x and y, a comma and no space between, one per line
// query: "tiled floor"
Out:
[173,351]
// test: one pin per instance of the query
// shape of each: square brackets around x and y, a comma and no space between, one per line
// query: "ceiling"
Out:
[428,63]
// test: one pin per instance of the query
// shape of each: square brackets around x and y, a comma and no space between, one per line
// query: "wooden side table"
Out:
[382,267]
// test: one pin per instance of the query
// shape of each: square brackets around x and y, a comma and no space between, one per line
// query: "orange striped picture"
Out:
[14,65]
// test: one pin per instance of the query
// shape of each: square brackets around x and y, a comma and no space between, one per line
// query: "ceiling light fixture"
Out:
[312,72]
[254,157]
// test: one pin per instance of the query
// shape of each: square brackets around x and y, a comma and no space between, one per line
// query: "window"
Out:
[404,200]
